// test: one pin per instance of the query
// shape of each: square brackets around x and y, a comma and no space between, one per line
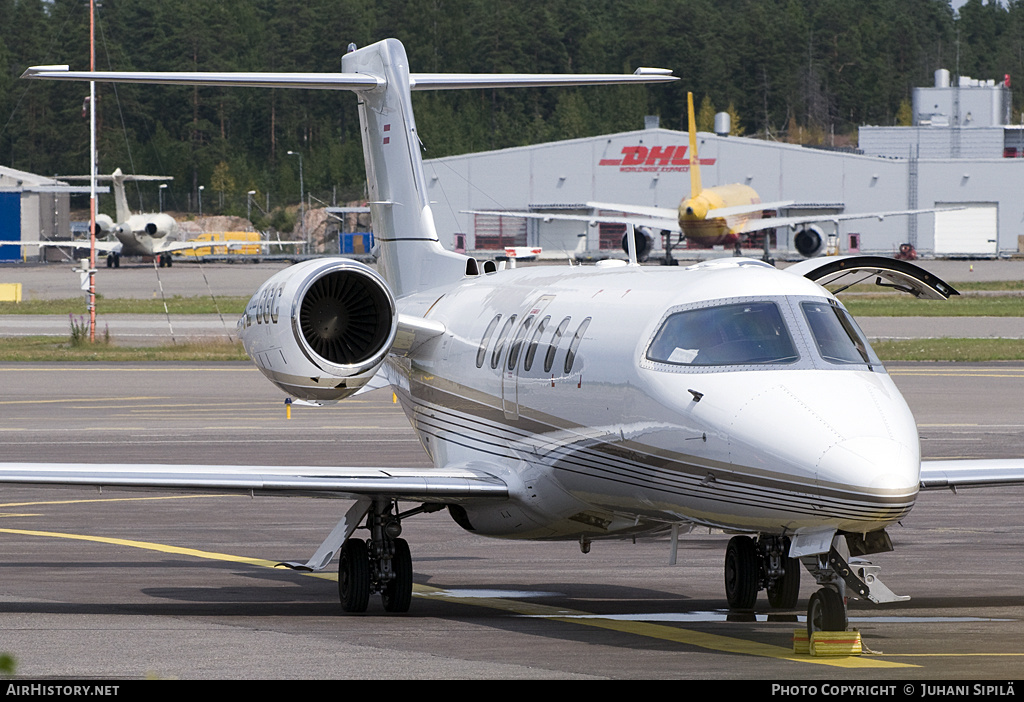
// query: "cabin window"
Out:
[531,350]
[481,353]
[549,359]
[836,335]
[737,334]
[499,345]
[570,356]
[517,345]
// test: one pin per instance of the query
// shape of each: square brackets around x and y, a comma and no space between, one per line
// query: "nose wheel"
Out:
[826,611]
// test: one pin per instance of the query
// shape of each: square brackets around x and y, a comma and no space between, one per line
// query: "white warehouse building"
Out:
[934,165]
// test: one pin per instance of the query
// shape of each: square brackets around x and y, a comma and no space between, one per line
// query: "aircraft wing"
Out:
[967,473]
[755,225]
[653,212]
[445,485]
[636,221]
[172,246]
[747,209]
[102,246]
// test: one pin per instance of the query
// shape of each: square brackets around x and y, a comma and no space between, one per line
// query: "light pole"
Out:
[201,200]
[248,205]
[163,186]
[302,196]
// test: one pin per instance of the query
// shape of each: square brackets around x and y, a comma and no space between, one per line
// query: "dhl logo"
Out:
[653,158]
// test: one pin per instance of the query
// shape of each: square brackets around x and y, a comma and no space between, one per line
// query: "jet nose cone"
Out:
[872,464]
[870,481]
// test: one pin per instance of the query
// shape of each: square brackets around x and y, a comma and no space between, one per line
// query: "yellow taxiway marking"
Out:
[714,642]
[81,399]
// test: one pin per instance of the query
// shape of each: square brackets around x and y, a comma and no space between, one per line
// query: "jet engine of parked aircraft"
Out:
[809,241]
[156,225]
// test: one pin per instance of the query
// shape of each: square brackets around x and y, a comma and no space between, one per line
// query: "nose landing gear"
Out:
[842,577]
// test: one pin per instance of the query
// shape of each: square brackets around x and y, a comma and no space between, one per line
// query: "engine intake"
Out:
[345,317]
[809,241]
[320,329]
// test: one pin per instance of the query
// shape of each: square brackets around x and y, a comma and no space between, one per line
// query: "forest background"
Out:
[809,71]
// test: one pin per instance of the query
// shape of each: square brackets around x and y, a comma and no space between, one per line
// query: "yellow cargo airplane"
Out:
[720,215]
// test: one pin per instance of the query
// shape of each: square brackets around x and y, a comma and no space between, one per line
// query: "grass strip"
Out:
[963,350]
[175,305]
[905,306]
[48,348]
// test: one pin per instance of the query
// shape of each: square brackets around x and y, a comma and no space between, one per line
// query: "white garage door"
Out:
[973,230]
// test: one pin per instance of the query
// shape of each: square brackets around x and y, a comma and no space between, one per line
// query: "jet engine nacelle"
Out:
[104,224]
[320,329]
[153,225]
[644,242]
[809,241]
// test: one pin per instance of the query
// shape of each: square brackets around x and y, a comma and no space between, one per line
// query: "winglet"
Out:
[33,71]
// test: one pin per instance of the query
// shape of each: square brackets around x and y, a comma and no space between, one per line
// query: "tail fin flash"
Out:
[695,187]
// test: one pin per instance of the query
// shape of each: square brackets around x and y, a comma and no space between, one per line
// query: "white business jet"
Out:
[575,403]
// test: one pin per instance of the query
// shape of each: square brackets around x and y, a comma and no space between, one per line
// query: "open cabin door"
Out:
[846,271]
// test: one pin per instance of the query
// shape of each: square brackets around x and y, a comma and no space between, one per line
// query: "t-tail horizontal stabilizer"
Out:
[409,254]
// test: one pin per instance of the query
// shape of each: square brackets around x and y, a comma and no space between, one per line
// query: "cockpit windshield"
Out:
[837,336]
[734,334]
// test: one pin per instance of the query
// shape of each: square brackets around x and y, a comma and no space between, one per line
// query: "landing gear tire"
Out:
[826,611]
[783,592]
[354,576]
[397,594]
[742,571]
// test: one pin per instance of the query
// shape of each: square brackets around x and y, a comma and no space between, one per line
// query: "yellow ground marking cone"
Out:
[836,643]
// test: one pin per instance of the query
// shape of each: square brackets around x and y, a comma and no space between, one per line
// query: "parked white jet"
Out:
[155,234]
[575,403]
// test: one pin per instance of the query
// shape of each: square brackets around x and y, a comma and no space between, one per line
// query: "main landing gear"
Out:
[165,260]
[381,563]
[113,260]
[751,566]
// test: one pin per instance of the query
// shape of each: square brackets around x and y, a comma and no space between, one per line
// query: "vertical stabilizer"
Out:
[695,187]
[409,254]
[120,199]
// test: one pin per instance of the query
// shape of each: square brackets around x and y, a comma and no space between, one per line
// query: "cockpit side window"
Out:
[836,335]
[735,334]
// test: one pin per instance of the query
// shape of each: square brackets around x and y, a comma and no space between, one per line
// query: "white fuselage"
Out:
[614,442]
[146,234]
